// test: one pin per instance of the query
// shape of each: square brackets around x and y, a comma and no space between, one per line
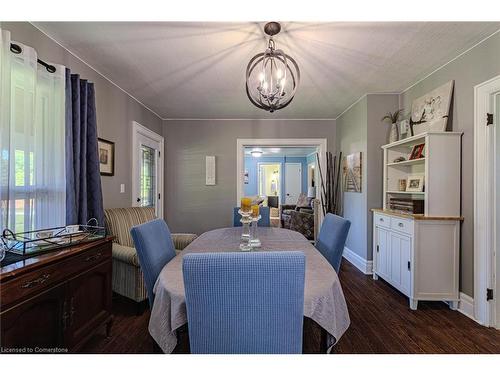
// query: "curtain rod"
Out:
[16,48]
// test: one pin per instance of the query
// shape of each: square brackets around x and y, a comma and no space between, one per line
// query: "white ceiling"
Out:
[282,151]
[197,70]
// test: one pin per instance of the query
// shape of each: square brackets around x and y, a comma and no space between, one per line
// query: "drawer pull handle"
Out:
[382,220]
[401,225]
[93,257]
[32,283]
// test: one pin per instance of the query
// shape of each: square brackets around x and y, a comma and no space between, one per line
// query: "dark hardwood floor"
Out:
[381,322]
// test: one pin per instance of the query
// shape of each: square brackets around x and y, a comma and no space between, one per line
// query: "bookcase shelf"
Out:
[406,192]
[407,162]
[439,166]
[418,254]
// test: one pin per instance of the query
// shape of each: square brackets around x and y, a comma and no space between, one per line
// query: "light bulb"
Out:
[264,85]
[261,77]
[279,73]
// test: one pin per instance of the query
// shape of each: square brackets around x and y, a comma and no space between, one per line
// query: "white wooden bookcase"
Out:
[419,254]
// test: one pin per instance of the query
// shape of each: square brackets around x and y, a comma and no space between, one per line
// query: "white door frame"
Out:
[241,143]
[279,172]
[300,179]
[138,129]
[484,202]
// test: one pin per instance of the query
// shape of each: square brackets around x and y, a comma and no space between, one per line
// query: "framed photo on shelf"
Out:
[417,152]
[106,157]
[415,183]
[429,113]
[404,129]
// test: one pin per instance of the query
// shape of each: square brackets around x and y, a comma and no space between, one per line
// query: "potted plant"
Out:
[392,118]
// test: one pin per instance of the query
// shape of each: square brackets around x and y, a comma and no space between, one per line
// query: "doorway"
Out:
[147,169]
[269,179]
[293,182]
[263,148]
[486,201]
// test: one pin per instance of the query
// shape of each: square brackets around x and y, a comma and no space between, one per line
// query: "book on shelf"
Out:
[407,205]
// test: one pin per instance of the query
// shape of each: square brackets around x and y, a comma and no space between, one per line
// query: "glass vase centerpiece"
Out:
[246,219]
[254,235]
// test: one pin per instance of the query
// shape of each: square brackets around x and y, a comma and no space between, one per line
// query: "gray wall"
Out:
[190,205]
[352,137]
[476,66]
[115,109]
[360,129]
[378,135]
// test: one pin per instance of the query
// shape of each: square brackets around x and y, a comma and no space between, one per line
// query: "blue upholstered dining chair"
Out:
[155,249]
[265,220]
[332,237]
[245,303]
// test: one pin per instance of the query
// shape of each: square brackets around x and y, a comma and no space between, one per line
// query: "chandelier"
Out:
[272,76]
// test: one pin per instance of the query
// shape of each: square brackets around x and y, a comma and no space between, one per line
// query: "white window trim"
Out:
[142,130]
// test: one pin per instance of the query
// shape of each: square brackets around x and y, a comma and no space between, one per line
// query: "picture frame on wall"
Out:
[352,172]
[245,177]
[415,183]
[106,150]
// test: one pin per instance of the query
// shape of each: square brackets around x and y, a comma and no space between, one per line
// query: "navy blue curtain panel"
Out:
[83,179]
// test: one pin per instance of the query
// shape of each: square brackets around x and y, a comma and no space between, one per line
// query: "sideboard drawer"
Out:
[34,282]
[402,225]
[382,220]
[21,287]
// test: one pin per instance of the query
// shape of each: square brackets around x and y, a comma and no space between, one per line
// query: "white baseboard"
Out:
[365,266]
[466,306]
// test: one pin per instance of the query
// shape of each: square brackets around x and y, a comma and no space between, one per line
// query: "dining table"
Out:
[324,301]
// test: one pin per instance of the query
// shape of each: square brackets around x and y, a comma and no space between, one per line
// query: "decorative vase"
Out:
[394,134]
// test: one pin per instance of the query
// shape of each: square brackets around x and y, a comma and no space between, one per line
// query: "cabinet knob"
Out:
[401,225]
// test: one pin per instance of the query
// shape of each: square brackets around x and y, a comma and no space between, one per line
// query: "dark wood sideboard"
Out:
[56,301]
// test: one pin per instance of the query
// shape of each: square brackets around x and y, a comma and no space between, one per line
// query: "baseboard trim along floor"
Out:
[365,266]
[466,306]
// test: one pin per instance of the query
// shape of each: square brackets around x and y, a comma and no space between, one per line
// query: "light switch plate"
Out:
[122,188]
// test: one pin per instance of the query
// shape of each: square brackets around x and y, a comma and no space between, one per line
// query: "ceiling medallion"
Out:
[272,76]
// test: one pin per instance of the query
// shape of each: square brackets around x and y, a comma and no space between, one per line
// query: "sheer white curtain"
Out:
[32,168]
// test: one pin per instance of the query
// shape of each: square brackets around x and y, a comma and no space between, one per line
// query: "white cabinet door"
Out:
[400,258]
[383,249]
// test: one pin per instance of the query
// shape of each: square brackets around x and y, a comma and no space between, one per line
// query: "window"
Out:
[148,178]
[32,168]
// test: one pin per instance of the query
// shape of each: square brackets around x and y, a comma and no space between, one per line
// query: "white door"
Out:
[147,180]
[293,182]
[400,262]
[383,248]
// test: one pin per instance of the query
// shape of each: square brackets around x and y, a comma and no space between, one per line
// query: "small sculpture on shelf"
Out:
[399,159]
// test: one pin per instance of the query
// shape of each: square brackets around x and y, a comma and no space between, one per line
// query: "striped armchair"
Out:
[128,280]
